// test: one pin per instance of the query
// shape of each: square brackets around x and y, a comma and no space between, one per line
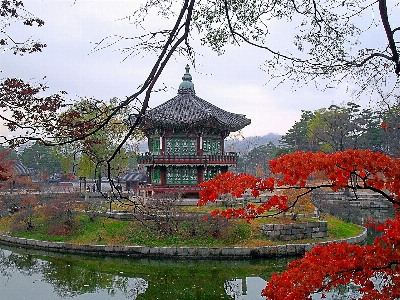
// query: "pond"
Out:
[29,274]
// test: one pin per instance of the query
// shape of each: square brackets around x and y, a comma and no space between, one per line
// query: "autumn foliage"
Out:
[354,169]
[373,269]
[5,166]
[23,108]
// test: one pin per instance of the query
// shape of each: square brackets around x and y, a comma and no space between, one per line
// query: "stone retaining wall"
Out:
[295,231]
[174,252]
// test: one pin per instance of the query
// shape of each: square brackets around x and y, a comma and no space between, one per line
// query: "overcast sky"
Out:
[233,81]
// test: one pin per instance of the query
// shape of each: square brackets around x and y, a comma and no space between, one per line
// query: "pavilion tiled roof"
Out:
[186,110]
[20,169]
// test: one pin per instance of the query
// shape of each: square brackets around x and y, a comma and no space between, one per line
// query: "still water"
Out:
[28,274]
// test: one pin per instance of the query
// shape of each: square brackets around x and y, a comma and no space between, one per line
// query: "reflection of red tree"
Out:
[325,267]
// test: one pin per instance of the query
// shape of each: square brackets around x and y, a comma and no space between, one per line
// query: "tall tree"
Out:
[332,129]
[88,156]
[298,136]
[390,114]
[41,158]
[336,128]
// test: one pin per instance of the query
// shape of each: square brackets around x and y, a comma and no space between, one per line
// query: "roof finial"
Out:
[187,84]
[187,76]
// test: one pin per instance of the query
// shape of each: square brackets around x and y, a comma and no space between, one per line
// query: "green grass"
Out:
[101,230]
[340,229]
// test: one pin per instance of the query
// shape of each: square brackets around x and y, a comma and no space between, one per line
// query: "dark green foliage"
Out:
[41,158]
[338,128]
[256,160]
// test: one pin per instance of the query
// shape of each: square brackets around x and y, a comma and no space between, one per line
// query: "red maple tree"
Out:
[6,166]
[374,269]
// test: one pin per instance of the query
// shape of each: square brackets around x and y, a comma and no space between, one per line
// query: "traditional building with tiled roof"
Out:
[186,141]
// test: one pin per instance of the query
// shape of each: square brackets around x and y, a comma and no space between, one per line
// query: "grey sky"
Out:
[232,81]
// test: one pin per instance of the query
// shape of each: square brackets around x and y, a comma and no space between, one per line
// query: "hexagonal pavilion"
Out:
[186,141]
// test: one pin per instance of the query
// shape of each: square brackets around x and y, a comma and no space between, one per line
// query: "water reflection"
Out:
[70,280]
[28,274]
[249,288]
[245,289]
[27,277]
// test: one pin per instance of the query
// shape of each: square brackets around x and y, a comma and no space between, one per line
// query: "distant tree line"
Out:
[336,128]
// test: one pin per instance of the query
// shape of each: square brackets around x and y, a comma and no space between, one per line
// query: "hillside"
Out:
[247,144]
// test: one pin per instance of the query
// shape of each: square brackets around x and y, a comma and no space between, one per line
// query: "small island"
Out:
[164,228]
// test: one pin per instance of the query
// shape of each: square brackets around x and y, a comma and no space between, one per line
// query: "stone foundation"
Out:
[295,231]
[174,252]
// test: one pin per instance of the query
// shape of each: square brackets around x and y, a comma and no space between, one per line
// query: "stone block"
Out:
[273,250]
[303,226]
[298,231]
[30,242]
[291,249]
[67,247]
[264,251]
[154,251]
[55,245]
[7,238]
[108,248]
[308,247]
[118,249]
[275,234]
[323,224]
[168,251]
[317,235]
[86,248]
[228,252]
[300,249]
[133,250]
[267,227]
[287,232]
[242,251]
[21,241]
[203,252]
[281,250]
[144,250]
[287,237]
[186,251]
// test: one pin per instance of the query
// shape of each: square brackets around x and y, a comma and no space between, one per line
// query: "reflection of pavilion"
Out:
[249,288]
[186,141]
[133,286]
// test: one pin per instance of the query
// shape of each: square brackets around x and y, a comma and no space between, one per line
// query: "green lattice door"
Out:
[156,176]
[155,146]
[181,146]
[211,172]
[212,147]
[182,175]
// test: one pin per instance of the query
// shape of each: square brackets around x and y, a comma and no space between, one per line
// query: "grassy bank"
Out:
[195,232]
